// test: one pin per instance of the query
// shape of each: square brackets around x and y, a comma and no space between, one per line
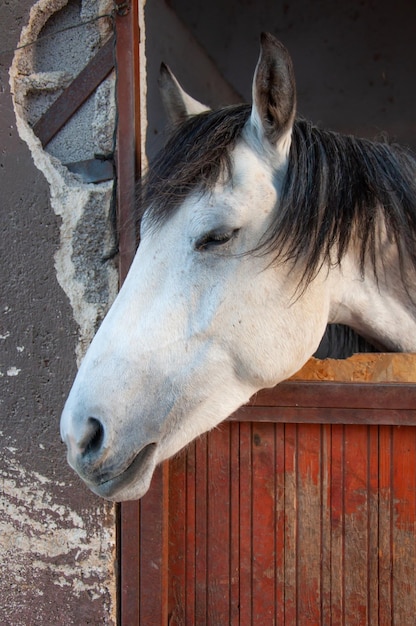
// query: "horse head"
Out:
[218,302]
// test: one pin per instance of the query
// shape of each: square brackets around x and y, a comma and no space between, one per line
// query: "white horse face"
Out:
[200,324]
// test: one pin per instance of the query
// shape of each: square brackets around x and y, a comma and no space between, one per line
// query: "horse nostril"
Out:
[94,437]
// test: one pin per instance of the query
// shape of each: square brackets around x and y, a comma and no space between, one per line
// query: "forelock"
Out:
[193,159]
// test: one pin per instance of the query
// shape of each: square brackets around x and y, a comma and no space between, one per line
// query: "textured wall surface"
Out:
[57,541]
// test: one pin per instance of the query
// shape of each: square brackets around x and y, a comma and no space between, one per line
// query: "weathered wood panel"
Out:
[284,524]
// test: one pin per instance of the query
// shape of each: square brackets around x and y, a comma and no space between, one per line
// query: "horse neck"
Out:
[380,305]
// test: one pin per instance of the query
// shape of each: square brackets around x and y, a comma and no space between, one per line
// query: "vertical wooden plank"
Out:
[337,525]
[218,561]
[280,581]
[246,534]
[191,537]
[129,564]
[308,574]
[326,472]
[291,530]
[373,566]
[385,550]
[235,488]
[356,525]
[201,530]
[178,540]
[153,584]
[263,523]
[404,525]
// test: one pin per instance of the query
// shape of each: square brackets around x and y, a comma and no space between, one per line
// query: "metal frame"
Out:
[127,169]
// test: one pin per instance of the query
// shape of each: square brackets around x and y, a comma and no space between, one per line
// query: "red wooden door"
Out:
[295,524]
[265,522]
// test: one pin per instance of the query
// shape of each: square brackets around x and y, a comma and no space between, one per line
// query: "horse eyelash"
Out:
[214,238]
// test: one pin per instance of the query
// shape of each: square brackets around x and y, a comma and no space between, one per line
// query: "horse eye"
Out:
[214,239]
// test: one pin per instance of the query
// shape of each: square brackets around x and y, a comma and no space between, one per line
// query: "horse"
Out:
[258,229]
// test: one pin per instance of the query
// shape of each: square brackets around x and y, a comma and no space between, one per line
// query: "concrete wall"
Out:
[57,541]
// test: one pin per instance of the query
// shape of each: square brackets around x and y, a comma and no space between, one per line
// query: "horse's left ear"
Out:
[178,104]
[274,94]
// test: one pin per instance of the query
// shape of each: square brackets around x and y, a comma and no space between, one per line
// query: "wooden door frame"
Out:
[297,402]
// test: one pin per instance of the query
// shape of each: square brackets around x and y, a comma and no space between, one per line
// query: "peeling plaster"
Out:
[13,371]
[41,536]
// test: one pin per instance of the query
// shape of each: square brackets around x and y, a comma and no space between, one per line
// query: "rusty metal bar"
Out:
[93,170]
[74,96]
[127,160]
[128,131]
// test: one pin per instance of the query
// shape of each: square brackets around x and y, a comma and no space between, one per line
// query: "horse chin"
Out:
[133,482]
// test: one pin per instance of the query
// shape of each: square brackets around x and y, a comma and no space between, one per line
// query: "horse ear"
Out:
[274,93]
[178,104]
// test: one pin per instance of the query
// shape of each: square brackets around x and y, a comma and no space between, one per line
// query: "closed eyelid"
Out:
[215,238]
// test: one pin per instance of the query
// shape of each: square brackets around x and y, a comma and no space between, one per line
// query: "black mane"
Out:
[336,187]
[194,157]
